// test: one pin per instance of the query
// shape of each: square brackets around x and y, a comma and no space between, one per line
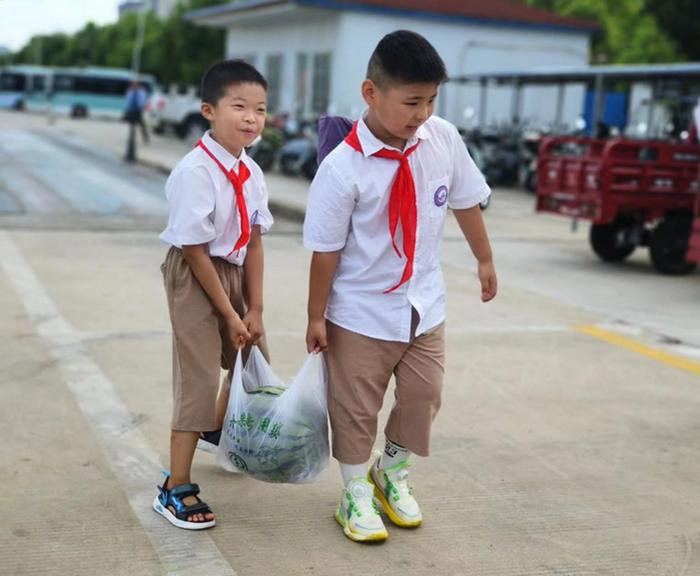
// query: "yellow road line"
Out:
[639,348]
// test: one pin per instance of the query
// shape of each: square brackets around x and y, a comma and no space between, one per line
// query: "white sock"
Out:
[393,454]
[350,471]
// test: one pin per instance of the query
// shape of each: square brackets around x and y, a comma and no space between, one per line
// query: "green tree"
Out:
[174,49]
[680,19]
[630,32]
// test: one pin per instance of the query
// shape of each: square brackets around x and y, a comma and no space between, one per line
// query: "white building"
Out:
[314,53]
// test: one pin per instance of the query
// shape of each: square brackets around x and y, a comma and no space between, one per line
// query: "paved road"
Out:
[567,444]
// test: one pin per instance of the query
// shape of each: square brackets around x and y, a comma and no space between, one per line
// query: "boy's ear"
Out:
[207,111]
[369,92]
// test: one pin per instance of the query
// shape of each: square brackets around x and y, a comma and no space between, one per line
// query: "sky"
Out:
[22,19]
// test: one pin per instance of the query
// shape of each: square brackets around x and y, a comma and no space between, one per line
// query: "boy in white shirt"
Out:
[213,272]
[374,221]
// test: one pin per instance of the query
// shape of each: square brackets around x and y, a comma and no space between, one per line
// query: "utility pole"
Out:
[138,44]
[38,51]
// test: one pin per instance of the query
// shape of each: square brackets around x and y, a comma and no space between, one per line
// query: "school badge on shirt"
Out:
[440,196]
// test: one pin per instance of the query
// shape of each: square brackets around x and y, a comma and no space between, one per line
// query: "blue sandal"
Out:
[173,497]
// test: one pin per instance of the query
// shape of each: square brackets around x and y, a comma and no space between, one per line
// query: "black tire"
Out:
[669,243]
[611,242]
[79,111]
[264,158]
[531,181]
[309,168]
[287,166]
[192,128]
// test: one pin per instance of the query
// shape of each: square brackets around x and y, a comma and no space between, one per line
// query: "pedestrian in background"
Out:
[213,273]
[376,297]
[136,100]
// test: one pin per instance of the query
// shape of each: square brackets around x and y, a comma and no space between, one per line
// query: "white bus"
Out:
[81,92]
[24,87]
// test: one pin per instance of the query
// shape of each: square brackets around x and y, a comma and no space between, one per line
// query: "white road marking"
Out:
[133,462]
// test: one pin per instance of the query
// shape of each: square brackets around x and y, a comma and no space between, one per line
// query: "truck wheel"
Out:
[612,242]
[669,243]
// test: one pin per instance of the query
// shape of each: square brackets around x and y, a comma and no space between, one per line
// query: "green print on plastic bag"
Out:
[274,432]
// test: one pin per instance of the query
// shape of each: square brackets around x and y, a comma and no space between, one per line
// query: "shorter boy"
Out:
[213,272]
[374,221]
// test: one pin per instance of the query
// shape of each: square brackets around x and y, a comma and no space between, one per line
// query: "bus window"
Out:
[62,83]
[38,83]
[11,82]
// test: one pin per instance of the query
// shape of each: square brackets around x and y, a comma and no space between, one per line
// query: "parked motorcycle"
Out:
[266,147]
[297,157]
[527,169]
[478,159]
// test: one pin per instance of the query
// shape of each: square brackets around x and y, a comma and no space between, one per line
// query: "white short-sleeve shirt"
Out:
[348,210]
[202,202]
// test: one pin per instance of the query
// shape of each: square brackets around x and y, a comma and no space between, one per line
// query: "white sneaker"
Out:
[392,490]
[357,513]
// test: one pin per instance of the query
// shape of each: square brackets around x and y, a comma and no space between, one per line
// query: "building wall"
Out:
[349,37]
[314,34]
[465,48]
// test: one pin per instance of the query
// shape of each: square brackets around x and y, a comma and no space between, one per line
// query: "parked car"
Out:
[177,109]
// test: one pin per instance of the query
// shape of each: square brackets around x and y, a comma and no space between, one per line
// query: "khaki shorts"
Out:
[201,347]
[359,370]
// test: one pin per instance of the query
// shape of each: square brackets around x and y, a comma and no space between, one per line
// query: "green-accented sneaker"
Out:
[357,513]
[392,490]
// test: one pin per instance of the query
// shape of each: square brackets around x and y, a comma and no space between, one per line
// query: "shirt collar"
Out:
[229,161]
[371,144]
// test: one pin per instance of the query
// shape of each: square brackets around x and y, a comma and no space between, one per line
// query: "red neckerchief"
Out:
[402,203]
[237,180]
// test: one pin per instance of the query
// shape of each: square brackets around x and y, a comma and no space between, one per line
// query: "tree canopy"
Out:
[176,51]
[636,31]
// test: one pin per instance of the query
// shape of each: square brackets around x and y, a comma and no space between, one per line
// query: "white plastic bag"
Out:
[274,432]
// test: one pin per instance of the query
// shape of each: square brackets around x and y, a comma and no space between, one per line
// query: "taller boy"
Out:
[374,221]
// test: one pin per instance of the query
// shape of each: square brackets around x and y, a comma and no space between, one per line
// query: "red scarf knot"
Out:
[237,180]
[402,203]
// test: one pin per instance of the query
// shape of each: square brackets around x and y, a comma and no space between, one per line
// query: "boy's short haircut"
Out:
[228,73]
[405,57]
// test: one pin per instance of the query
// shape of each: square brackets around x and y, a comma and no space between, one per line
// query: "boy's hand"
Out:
[237,331]
[489,283]
[316,339]
[254,323]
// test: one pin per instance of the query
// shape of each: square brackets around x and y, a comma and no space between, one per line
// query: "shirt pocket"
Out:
[438,192]
[435,204]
